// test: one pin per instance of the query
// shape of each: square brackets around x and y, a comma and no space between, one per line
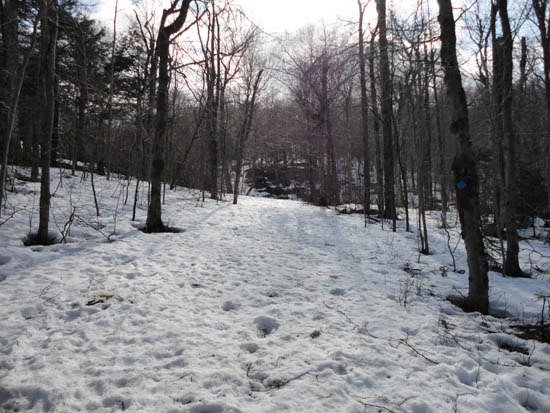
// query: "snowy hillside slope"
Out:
[267,306]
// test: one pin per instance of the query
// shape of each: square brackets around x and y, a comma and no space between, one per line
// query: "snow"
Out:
[266,306]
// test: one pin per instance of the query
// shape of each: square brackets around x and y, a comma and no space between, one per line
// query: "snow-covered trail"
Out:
[266,306]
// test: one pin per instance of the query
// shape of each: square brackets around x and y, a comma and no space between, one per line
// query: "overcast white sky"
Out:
[271,15]
[281,15]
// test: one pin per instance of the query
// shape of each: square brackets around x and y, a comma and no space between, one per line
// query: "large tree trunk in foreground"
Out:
[464,167]
[543,24]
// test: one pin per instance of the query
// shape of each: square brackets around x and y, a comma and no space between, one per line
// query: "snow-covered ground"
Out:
[267,306]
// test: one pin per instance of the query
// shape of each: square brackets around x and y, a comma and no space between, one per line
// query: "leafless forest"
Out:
[428,107]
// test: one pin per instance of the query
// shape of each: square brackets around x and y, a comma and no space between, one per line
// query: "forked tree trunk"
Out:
[154,212]
[464,167]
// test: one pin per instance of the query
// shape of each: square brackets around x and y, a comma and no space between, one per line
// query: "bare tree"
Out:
[464,166]
[252,85]
[48,45]
[317,70]
[376,129]
[111,93]
[386,102]
[364,111]
[166,31]
[503,48]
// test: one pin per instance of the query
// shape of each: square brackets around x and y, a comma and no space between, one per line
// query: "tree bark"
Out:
[441,147]
[543,24]
[154,212]
[464,167]
[9,21]
[364,112]
[386,101]
[511,264]
[111,93]
[376,128]
[48,44]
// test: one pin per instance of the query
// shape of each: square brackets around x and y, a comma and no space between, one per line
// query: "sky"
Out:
[272,16]
[290,15]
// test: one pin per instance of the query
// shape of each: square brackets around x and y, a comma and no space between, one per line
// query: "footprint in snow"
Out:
[213,408]
[116,402]
[229,305]
[266,325]
[250,347]
[338,368]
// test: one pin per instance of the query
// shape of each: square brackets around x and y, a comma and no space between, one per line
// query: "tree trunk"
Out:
[403,170]
[154,212]
[497,130]
[464,167]
[427,165]
[55,132]
[441,147]
[364,112]
[36,128]
[111,93]
[213,94]
[48,44]
[421,179]
[540,12]
[81,133]
[511,264]
[386,101]
[376,128]
[8,70]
